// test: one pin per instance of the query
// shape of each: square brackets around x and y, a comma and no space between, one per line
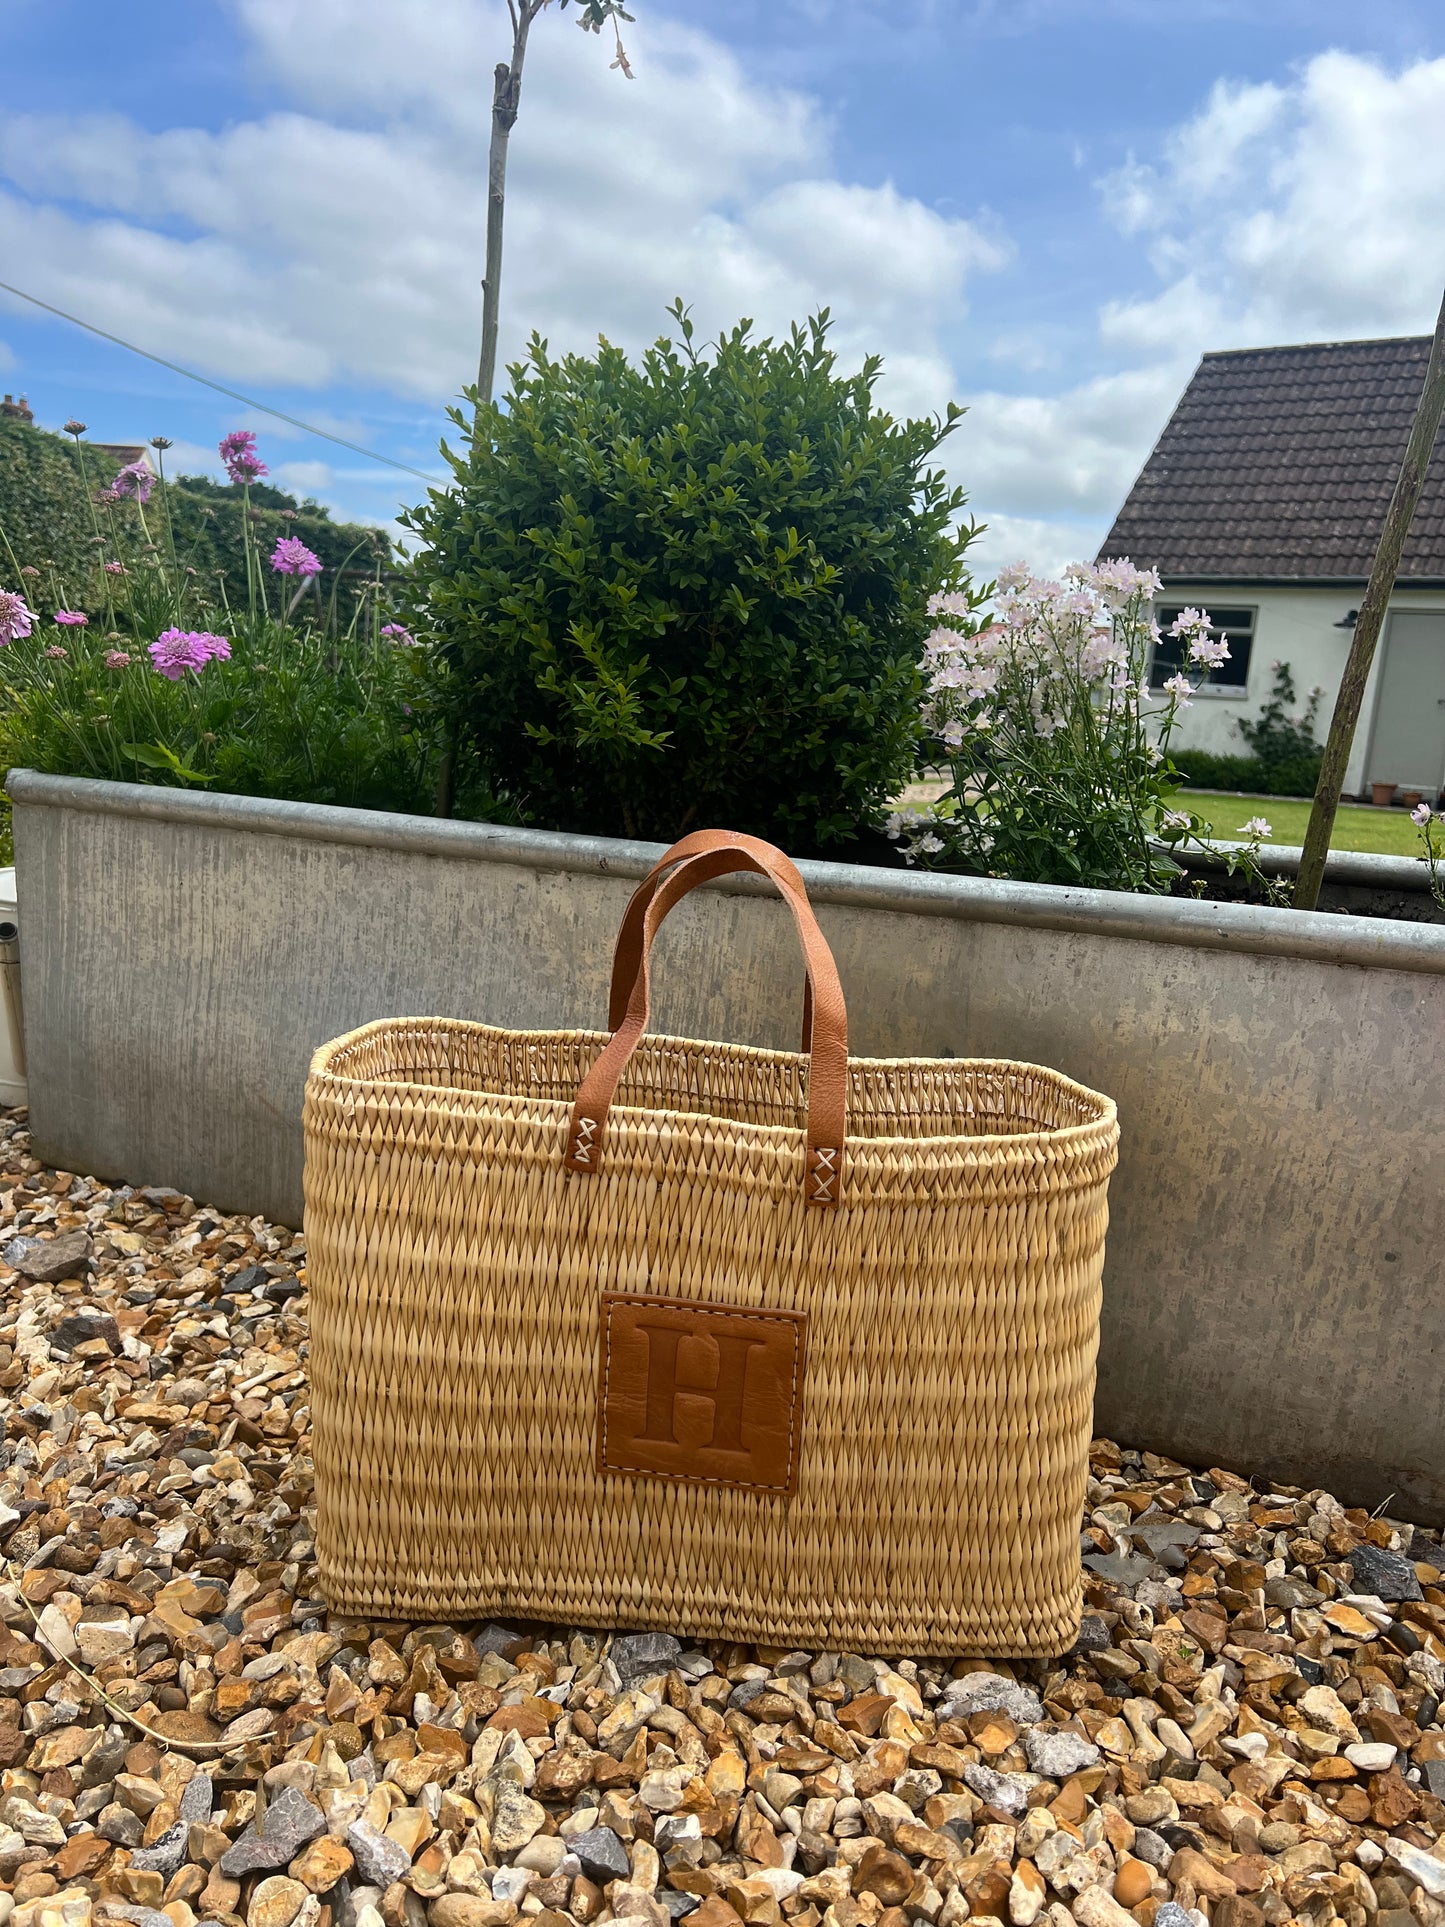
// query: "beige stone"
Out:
[276,1902]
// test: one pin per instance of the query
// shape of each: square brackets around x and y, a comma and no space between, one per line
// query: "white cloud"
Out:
[343,241]
[1066,454]
[337,239]
[1048,546]
[1309,211]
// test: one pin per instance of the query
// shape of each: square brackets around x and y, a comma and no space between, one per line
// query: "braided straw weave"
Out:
[952,1298]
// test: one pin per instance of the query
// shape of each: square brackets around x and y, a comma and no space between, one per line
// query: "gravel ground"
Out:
[1249,1730]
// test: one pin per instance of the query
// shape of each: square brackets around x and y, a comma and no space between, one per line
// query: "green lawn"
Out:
[1387,832]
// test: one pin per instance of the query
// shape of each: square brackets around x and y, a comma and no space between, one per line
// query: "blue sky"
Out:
[1045,209]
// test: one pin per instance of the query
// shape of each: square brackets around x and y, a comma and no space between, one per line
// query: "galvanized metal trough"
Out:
[1274,1289]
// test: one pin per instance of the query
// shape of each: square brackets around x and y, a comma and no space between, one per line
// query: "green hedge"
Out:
[1293,776]
[43,511]
[48,522]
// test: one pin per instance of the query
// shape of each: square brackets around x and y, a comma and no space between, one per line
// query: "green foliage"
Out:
[207,518]
[290,696]
[594,14]
[1202,769]
[1059,761]
[43,506]
[1284,746]
[52,526]
[690,591]
[297,716]
[1285,758]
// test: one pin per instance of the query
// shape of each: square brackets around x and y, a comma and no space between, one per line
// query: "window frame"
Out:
[1209,690]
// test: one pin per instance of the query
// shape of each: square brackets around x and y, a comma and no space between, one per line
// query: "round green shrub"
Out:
[690,591]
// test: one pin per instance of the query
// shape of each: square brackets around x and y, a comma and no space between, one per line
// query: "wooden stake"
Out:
[1371,619]
[506,97]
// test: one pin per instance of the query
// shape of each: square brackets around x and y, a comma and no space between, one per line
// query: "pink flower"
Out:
[16,619]
[1255,827]
[176,650]
[403,638]
[238,452]
[117,659]
[1420,815]
[113,568]
[292,557]
[57,653]
[71,618]
[135,482]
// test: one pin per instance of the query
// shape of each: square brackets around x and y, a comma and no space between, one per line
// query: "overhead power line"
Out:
[220,388]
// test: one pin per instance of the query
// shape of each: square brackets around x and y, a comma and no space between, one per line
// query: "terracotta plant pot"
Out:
[1382,795]
[1409,799]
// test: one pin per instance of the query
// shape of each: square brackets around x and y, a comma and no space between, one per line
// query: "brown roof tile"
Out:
[1278,465]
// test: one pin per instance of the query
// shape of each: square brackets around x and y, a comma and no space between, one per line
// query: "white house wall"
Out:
[1296,626]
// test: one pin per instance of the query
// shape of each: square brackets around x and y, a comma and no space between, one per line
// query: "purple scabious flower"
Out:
[175,651]
[394,632]
[71,618]
[134,482]
[117,659]
[292,557]
[55,651]
[238,452]
[16,619]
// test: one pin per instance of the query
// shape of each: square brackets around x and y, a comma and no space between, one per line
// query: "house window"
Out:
[1237,628]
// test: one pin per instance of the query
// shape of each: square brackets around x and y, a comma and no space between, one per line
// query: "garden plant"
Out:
[135,665]
[689,590]
[1058,754]
[1284,755]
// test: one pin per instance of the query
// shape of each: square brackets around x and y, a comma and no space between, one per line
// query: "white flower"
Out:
[1420,814]
[1175,820]
[930,844]
[1181,689]
[1209,651]
[1256,827]
[1190,622]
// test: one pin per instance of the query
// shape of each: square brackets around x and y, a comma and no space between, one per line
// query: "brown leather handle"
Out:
[697,860]
[627,958]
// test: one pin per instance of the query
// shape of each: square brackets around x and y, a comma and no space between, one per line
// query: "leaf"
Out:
[157,756]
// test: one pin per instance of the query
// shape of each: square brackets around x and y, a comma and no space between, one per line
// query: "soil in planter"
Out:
[1340,899]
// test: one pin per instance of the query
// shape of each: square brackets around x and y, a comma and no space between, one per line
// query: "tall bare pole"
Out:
[506,97]
[1369,623]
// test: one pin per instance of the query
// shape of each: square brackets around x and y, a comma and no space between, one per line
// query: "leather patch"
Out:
[706,1393]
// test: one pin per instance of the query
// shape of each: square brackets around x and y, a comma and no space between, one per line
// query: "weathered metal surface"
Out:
[1274,1285]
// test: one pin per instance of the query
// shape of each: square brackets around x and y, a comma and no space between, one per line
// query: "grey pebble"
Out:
[602,1854]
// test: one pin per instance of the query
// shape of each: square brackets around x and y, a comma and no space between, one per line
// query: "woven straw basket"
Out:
[747,1344]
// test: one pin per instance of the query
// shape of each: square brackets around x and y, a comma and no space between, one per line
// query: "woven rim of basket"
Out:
[1079,1136]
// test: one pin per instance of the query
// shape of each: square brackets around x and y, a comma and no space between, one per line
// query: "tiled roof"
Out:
[1278,465]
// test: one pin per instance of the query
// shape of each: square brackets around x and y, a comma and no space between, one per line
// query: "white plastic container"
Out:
[12,1035]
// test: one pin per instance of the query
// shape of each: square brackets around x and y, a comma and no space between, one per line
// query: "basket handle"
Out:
[627,958]
[700,862]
